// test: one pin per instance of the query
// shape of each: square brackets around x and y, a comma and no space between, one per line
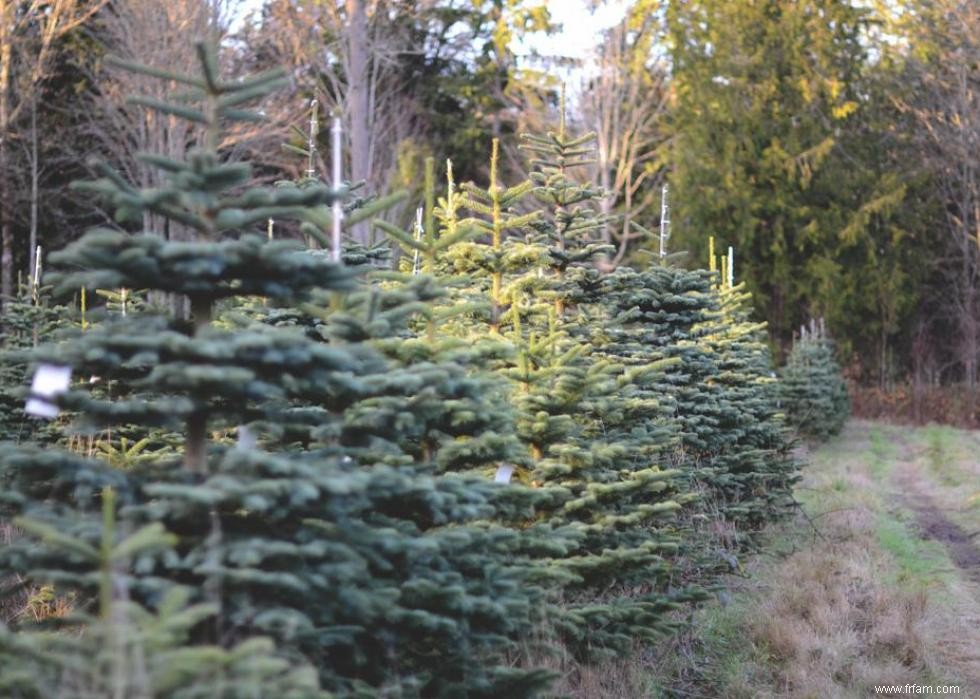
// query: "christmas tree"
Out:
[814,393]
[755,475]
[518,291]
[623,498]
[31,317]
[298,513]
[126,650]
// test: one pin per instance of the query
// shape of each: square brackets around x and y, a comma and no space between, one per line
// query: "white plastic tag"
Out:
[504,473]
[49,381]
[246,439]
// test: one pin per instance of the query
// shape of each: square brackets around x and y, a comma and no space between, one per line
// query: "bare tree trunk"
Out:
[920,350]
[358,103]
[625,103]
[970,350]
[32,247]
[968,325]
[6,234]
[883,357]
[608,197]
[947,106]
[196,432]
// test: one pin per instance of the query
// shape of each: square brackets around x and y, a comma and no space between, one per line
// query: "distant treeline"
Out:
[835,147]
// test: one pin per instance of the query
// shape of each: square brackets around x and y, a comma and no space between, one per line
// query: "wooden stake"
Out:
[429,223]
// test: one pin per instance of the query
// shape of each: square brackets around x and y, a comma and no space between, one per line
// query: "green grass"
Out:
[896,594]
[918,563]
[723,658]
[946,450]
[881,454]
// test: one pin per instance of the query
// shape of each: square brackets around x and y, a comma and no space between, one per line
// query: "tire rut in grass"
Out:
[930,520]
[934,525]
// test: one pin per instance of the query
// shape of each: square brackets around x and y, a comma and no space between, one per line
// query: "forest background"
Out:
[835,145]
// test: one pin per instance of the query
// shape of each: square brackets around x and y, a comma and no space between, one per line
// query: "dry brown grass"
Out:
[831,624]
[619,678]
[865,602]
[868,600]
[32,602]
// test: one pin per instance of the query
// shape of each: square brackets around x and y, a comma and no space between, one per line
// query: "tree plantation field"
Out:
[360,349]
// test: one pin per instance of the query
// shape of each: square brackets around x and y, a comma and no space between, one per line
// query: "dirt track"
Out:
[932,482]
[917,492]
[878,583]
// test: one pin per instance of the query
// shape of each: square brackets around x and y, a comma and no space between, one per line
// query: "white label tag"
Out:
[49,381]
[246,439]
[504,472]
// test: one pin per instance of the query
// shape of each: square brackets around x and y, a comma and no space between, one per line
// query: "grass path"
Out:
[877,583]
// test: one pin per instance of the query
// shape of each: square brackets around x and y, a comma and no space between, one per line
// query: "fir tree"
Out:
[31,317]
[814,393]
[756,473]
[519,288]
[126,650]
[335,533]
[622,496]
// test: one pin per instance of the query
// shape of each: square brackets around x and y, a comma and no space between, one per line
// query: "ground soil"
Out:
[933,524]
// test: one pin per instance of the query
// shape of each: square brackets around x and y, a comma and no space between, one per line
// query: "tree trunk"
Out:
[6,233]
[777,322]
[196,430]
[970,354]
[358,103]
[32,248]
[882,358]
[608,199]
[7,240]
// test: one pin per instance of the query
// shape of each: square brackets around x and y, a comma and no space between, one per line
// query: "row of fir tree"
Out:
[417,475]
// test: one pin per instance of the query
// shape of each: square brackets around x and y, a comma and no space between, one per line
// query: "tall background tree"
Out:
[409,78]
[944,105]
[763,91]
[29,33]
[626,102]
[834,146]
